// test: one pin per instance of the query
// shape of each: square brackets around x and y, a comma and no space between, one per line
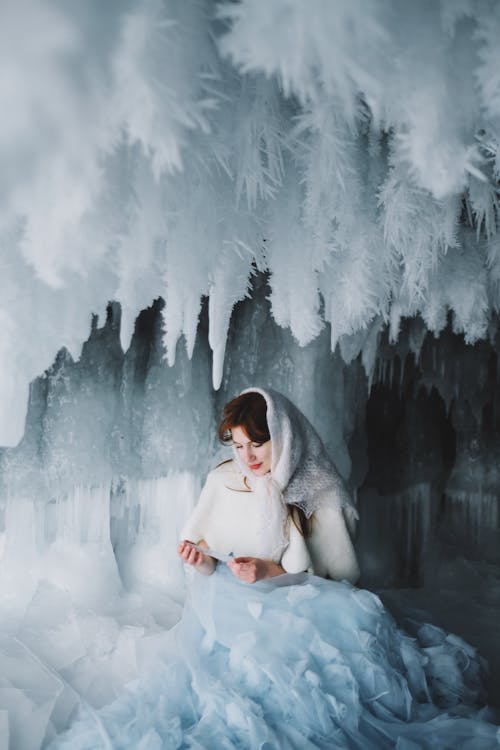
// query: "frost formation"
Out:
[176,147]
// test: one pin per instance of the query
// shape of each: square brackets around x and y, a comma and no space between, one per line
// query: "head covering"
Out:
[300,465]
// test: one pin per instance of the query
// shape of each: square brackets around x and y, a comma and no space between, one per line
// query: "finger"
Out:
[186,548]
[238,572]
[195,557]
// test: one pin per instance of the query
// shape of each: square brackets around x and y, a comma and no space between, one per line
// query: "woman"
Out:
[269,656]
[296,516]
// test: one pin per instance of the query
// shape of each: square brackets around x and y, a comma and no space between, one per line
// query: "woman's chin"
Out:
[260,472]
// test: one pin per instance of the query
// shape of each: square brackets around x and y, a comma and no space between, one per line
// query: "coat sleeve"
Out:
[198,523]
[330,545]
[296,556]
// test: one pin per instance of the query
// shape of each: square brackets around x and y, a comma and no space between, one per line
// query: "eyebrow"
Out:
[249,442]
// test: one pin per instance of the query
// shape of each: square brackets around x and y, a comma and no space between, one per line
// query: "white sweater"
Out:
[231,518]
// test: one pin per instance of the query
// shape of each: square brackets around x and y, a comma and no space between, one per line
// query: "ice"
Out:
[86,604]
[175,149]
[50,627]
[91,582]
[198,197]
[28,692]
[4,728]
[77,554]
[147,521]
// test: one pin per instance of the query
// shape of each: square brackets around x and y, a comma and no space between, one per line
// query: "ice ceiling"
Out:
[174,147]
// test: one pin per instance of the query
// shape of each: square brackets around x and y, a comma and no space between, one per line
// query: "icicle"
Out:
[147,516]
[64,541]
[182,144]
[416,337]
[473,516]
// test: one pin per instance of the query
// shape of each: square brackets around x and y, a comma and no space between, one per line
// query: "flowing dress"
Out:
[292,662]
[296,662]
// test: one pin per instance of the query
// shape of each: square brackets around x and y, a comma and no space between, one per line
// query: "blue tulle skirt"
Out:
[295,662]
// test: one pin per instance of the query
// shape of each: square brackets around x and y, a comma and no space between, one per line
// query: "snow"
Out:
[172,148]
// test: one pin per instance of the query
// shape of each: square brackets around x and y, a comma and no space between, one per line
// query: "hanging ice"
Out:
[184,144]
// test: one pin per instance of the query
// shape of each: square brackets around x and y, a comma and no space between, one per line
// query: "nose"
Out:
[249,454]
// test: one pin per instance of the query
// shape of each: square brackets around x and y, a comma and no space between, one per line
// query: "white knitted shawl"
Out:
[300,465]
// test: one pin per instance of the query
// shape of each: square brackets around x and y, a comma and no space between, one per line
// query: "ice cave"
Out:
[199,197]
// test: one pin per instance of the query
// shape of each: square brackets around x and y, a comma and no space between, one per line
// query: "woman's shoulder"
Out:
[224,469]
[228,474]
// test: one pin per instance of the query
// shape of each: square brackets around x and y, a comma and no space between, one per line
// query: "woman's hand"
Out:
[202,563]
[251,569]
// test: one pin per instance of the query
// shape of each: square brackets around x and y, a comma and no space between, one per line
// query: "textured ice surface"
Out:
[117,444]
[29,690]
[174,148]
[74,633]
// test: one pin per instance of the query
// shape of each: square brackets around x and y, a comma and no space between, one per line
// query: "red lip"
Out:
[254,466]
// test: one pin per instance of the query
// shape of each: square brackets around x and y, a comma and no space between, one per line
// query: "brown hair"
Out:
[249,411]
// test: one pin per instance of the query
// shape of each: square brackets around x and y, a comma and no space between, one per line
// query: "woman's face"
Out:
[257,456]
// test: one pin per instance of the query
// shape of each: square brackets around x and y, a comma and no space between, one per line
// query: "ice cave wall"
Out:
[419,444]
[170,147]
